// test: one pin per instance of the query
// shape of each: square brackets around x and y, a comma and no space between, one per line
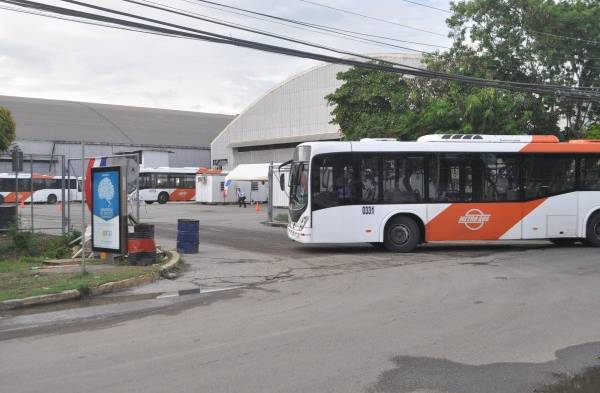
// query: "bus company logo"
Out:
[474,219]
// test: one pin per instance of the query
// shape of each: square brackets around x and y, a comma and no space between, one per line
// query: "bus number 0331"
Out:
[368,210]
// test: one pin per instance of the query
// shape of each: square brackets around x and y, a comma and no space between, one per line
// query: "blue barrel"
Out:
[188,236]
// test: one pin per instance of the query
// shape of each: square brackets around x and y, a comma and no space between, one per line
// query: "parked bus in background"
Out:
[46,189]
[167,184]
[444,188]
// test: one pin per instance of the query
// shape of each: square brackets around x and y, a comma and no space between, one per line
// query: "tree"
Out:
[7,129]
[533,41]
[370,104]
[530,41]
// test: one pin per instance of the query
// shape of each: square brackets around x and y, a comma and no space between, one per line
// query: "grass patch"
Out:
[281,217]
[18,280]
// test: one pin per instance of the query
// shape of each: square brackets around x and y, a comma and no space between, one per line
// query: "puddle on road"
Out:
[81,303]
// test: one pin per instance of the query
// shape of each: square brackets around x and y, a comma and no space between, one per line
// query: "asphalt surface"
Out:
[449,318]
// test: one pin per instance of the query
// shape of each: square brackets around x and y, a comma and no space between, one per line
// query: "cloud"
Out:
[48,58]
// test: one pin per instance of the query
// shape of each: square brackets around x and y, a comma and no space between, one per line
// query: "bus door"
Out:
[551,205]
[334,199]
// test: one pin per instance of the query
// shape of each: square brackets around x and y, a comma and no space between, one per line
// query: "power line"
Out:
[370,17]
[560,91]
[301,23]
[163,7]
[85,22]
[427,6]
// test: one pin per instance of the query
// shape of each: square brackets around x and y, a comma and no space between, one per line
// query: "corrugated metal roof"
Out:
[70,121]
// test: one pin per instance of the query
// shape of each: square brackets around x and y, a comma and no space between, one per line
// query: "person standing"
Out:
[241,197]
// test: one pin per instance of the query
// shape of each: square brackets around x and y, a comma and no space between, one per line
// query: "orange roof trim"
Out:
[544,139]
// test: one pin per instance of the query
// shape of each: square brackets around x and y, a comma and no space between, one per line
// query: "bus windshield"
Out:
[298,188]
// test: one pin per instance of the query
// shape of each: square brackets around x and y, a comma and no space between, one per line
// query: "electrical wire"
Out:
[556,90]
[190,14]
[371,17]
[337,30]
[84,22]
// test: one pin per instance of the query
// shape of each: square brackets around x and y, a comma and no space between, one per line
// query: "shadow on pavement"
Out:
[412,374]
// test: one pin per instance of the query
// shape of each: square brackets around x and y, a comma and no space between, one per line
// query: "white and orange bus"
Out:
[46,189]
[445,188]
[167,184]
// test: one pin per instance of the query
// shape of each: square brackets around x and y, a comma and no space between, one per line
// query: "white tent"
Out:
[250,172]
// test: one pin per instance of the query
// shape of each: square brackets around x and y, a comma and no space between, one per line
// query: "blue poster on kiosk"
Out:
[106,209]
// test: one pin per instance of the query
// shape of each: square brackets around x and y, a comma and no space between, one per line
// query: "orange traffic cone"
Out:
[21,202]
[61,207]
[258,207]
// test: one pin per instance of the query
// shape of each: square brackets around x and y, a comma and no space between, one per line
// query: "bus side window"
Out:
[547,175]
[403,179]
[369,180]
[7,185]
[162,180]
[590,173]
[332,181]
[189,181]
[444,173]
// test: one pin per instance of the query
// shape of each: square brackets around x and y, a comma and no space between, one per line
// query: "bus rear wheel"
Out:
[402,234]
[51,199]
[163,198]
[593,230]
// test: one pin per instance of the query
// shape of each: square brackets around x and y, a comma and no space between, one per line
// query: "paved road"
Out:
[456,319]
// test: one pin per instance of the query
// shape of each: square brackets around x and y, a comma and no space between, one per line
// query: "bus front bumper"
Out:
[303,235]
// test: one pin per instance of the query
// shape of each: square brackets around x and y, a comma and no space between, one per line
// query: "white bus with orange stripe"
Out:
[167,184]
[37,188]
[445,188]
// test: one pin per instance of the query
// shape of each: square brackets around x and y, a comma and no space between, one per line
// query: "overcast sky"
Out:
[48,58]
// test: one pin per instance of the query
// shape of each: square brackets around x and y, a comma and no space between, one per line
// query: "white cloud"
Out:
[48,58]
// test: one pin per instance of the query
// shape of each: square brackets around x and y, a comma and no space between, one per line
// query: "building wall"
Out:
[295,110]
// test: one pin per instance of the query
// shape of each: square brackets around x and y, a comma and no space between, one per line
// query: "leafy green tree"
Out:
[531,41]
[7,129]
[534,41]
[370,104]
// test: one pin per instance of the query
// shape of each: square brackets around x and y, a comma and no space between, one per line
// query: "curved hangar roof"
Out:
[294,111]
[69,121]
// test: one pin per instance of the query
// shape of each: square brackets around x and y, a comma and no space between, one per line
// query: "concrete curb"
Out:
[42,299]
[114,286]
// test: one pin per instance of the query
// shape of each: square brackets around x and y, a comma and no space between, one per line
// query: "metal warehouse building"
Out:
[291,113]
[57,128]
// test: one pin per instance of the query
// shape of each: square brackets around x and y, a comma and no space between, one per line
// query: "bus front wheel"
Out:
[163,198]
[593,230]
[51,199]
[402,234]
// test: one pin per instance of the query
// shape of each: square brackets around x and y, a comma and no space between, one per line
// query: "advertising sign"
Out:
[106,204]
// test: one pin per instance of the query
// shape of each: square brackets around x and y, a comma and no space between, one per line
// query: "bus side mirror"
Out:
[282,182]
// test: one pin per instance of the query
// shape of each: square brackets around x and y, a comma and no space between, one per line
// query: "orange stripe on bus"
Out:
[561,148]
[23,196]
[478,221]
[182,194]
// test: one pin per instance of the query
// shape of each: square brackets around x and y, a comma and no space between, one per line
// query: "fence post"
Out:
[31,188]
[83,207]
[270,207]
[62,197]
